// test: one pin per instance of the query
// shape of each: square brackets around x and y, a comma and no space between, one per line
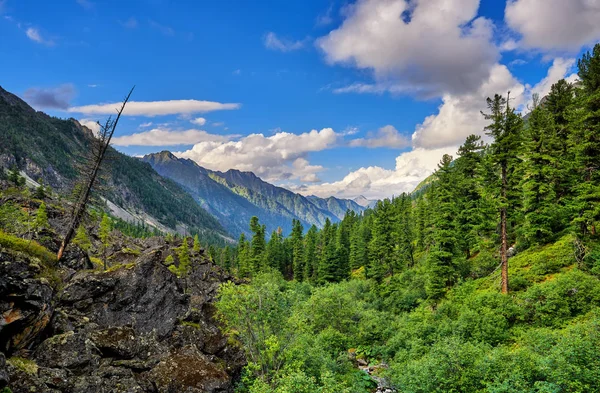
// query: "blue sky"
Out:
[323,97]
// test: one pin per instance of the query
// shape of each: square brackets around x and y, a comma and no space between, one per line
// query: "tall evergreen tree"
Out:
[441,271]
[310,254]
[297,249]
[505,128]
[468,193]
[586,145]
[258,244]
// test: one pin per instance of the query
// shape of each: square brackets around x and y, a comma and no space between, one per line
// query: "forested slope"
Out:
[414,290]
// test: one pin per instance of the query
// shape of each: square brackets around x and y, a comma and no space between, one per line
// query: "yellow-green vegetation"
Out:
[119,266]
[97,262]
[131,251]
[191,324]
[25,365]
[28,247]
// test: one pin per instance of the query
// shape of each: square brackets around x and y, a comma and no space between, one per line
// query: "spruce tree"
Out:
[310,255]
[505,128]
[297,250]
[540,171]
[258,244]
[441,271]
[468,193]
[586,146]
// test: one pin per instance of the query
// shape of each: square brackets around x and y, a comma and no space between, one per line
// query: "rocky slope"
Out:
[137,327]
[234,197]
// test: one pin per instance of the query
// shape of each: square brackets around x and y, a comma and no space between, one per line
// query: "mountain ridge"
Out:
[51,149]
[276,206]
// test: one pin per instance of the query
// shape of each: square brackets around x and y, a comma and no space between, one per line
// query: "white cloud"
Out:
[35,35]
[277,157]
[376,182]
[554,24]
[387,136]
[432,46]
[166,137]
[199,121]
[273,42]
[558,70]
[459,115]
[155,108]
[146,125]
[91,124]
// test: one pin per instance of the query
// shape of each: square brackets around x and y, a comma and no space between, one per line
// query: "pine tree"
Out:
[196,247]
[441,271]
[243,257]
[41,218]
[258,244]
[505,128]
[381,246]
[468,194]
[81,239]
[297,250]
[540,208]
[327,271]
[586,146]
[359,238]
[183,254]
[14,176]
[275,254]
[310,255]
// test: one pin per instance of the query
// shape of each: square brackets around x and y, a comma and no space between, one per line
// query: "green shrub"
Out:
[28,247]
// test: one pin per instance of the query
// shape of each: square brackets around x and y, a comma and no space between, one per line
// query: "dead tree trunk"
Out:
[106,133]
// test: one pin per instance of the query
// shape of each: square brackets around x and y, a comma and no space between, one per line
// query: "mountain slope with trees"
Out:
[52,150]
[486,279]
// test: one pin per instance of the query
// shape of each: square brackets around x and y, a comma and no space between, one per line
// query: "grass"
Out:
[28,247]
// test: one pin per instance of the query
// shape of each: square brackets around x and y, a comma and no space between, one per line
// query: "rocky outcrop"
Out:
[134,328]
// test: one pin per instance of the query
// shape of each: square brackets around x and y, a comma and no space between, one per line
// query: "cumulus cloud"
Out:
[35,35]
[554,24]
[277,157]
[387,136]
[558,70]
[439,134]
[459,115]
[156,108]
[433,46]
[376,182]
[165,137]
[50,98]
[199,121]
[273,42]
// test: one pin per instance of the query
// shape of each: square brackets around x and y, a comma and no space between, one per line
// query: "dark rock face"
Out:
[25,302]
[134,328]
